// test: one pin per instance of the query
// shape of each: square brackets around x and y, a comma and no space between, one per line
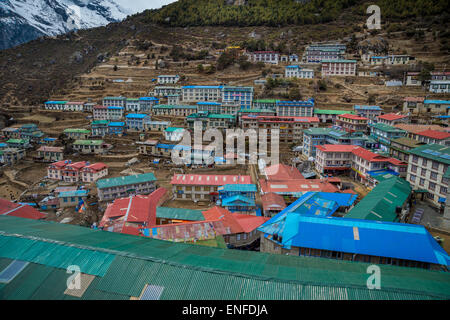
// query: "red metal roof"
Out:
[96,166]
[368,155]
[392,116]
[352,116]
[138,209]
[247,222]
[282,172]
[209,179]
[59,164]
[336,147]
[438,135]
[271,201]
[292,186]
[50,149]
[19,210]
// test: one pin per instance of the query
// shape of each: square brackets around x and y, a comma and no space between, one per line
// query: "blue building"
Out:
[298,230]
[238,197]
[135,121]
[116,128]
[295,108]
[240,95]
[146,103]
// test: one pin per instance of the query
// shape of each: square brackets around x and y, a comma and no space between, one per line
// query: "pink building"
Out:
[67,171]
[338,67]
[352,123]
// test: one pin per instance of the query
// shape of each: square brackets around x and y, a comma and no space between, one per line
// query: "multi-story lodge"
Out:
[384,134]
[156,125]
[316,53]
[440,86]
[392,118]
[77,133]
[100,113]
[400,147]
[255,112]
[211,120]
[99,128]
[296,71]
[271,57]
[146,103]
[55,105]
[114,113]
[46,153]
[295,108]
[428,170]
[264,104]
[10,156]
[136,121]
[361,163]
[203,187]
[320,136]
[201,93]
[243,96]
[440,75]
[413,105]
[174,110]
[116,128]
[115,102]
[338,68]
[90,146]
[352,123]
[119,187]
[132,105]
[93,172]
[329,116]
[219,107]
[291,128]
[74,106]
[163,91]
[369,112]
[412,79]
[431,136]
[168,79]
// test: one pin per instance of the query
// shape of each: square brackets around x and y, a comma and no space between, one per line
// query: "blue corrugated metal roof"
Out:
[238,187]
[116,124]
[136,116]
[209,103]
[367,107]
[202,87]
[115,108]
[148,99]
[244,201]
[75,193]
[367,237]
[437,101]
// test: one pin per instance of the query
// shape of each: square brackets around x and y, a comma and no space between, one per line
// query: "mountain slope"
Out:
[25,20]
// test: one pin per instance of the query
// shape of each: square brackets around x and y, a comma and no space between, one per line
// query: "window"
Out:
[422,182]
[423,172]
[433,176]
[432,186]
[415,159]
[443,190]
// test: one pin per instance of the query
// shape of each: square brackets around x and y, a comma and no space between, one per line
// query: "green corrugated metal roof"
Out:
[424,151]
[323,111]
[179,214]
[199,272]
[77,130]
[125,180]
[380,204]
[386,128]
[89,142]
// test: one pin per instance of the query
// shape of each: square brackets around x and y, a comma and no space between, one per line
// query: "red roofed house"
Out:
[272,204]
[432,137]
[352,122]
[331,158]
[392,118]
[282,172]
[293,189]
[93,172]
[46,153]
[130,215]
[238,230]
[203,187]
[8,208]
[291,128]
[73,172]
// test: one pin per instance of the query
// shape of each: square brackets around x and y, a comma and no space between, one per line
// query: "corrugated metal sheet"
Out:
[194,272]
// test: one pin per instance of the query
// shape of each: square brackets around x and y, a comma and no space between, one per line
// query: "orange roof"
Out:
[438,135]
[294,186]
[415,128]
[96,166]
[247,222]
[392,116]
[282,172]
[352,116]
[19,210]
[272,201]
[336,147]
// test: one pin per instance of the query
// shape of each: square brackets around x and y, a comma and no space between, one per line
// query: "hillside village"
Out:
[363,153]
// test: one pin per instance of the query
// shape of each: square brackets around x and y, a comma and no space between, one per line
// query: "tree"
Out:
[115,67]
[200,68]
[295,94]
